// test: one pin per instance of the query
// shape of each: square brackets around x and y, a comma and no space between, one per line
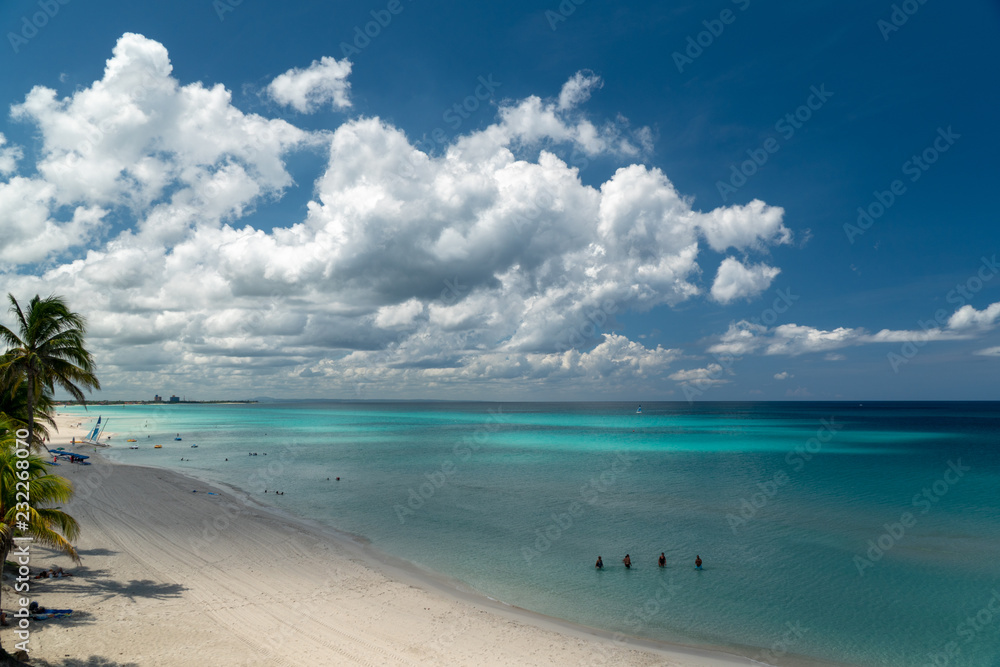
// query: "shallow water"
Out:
[779,499]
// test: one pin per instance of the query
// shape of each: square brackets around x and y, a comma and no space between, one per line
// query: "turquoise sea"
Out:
[860,534]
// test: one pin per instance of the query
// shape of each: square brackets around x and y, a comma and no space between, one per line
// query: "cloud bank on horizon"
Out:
[408,274]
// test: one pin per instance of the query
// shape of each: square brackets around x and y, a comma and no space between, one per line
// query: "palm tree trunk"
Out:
[31,418]
[31,410]
[5,658]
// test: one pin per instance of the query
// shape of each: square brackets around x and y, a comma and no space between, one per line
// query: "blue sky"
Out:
[510,200]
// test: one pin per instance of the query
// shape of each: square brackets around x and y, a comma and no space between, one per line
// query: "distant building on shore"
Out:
[157,399]
[175,399]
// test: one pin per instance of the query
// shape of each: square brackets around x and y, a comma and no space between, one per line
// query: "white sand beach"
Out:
[172,577]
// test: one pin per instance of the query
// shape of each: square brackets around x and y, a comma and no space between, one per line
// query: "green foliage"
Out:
[32,513]
[46,351]
[47,525]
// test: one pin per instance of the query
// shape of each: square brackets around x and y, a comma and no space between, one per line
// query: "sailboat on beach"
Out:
[94,437]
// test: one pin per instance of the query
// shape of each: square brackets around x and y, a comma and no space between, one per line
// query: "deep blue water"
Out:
[867,534]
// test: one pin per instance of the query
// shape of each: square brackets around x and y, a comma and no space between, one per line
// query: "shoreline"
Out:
[421,600]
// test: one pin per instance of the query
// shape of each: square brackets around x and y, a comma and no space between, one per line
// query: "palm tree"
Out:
[48,350]
[46,525]
[14,407]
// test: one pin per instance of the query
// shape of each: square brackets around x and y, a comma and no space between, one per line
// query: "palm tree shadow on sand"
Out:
[96,552]
[99,583]
[92,661]
[138,588]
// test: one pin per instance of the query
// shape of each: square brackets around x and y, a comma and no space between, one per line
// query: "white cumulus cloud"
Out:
[709,376]
[735,280]
[492,261]
[745,337]
[170,156]
[324,82]
[755,225]
[9,156]
[968,317]
[578,89]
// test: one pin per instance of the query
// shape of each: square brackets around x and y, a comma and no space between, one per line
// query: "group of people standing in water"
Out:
[662,562]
